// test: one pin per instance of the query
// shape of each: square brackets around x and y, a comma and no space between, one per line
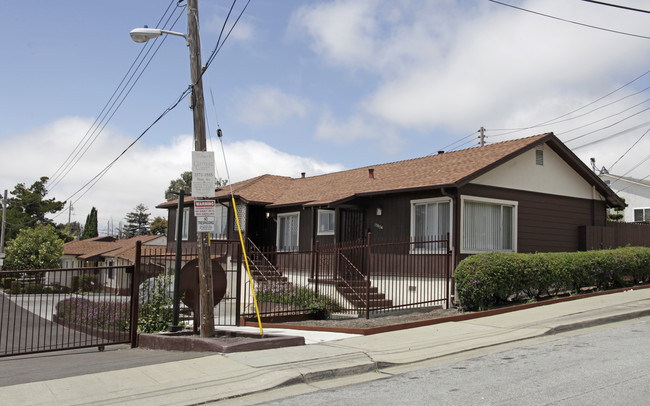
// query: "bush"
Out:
[156,312]
[6,283]
[33,288]
[486,280]
[88,283]
[286,293]
[16,288]
[100,315]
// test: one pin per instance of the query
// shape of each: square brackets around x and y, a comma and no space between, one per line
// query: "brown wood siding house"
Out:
[524,195]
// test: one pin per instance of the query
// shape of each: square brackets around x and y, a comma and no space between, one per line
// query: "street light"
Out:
[141,35]
[193,40]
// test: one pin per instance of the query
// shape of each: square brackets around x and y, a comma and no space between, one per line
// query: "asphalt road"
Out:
[605,367]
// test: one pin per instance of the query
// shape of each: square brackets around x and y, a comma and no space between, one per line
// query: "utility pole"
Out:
[203,238]
[482,136]
[2,229]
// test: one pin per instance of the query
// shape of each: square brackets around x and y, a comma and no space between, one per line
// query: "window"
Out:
[642,214]
[287,237]
[430,219]
[488,225]
[326,222]
[220,223]
[186,223]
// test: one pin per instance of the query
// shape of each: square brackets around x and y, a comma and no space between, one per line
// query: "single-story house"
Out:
[635,192]
[524,195]
[106,251]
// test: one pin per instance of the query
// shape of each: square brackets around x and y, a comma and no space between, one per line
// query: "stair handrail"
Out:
[255,249]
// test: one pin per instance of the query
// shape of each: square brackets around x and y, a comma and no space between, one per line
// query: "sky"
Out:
[308,86]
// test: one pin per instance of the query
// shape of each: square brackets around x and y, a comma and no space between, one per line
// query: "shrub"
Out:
[155,312]
[6,283]
[88,283]
[110,316]
[33,288]
[486,280]
[16,288]
[286,293]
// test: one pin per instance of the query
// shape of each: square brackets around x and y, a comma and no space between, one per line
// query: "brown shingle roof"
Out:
[448,169]
[106,247]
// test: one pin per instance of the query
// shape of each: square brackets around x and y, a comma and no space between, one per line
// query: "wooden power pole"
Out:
[203,238]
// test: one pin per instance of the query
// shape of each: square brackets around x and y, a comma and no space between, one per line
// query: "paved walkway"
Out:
[215,377]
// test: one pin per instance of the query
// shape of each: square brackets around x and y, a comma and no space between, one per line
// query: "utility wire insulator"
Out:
[219,133]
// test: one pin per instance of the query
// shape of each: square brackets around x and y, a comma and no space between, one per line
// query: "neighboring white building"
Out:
[636,193]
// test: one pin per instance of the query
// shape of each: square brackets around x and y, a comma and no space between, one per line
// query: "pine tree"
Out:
[137,222]
[90,229]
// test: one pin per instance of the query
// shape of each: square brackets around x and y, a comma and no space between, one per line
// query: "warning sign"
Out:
[205,224]
[205,208]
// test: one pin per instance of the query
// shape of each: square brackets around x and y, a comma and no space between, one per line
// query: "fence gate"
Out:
[62,309]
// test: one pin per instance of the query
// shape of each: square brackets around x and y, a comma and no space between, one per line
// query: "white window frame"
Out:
[333,222]
[186,224]
[277,236]
[416,250]
[644,210]
[515,215]
[220,223]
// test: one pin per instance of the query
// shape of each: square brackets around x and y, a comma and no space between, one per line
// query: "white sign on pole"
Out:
[205,224]
[203,174]
[204,208]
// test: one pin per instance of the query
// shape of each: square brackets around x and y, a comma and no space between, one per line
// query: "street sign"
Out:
[203,174]
[205,224]
[204,208]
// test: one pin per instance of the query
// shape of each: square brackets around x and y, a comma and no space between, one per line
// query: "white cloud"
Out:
[357,128]
[448,63]
[263,105]
[140,176]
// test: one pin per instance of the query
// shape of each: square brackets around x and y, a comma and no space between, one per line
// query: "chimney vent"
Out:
[441,152]
[371,173]
[302,175]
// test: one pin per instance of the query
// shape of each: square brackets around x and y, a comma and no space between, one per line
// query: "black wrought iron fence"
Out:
[357,277]
[156,284]
[58,309]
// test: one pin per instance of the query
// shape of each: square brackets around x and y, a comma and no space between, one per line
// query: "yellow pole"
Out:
[250,278]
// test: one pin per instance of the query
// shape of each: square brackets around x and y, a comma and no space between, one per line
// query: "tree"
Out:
[34,248]
[28,208]
[185,183]
[137,222]
[159,226]
[90,229]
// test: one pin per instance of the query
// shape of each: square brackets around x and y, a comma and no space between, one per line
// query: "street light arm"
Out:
[145,34]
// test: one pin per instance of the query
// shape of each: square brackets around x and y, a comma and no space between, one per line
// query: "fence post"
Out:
[367,263]
[316,267]
[238,289]
[447,273]
[135,295]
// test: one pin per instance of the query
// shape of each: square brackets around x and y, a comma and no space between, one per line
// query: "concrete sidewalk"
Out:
[216,377]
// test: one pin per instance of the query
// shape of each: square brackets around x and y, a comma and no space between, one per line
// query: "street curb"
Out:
[381,365]
[598,321]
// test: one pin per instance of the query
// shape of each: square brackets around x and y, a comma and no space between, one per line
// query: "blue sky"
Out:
[312,86]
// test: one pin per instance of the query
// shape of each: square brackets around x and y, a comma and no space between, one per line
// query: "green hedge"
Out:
[490,279]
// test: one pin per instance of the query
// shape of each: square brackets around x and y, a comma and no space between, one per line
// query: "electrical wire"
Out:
[92,182]
[445,148]
[570,21]
[90,137]
[630,149]
[602,3]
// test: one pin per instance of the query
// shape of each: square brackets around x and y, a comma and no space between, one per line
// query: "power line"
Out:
[602,3]
[99,124]
[556,120]
[630,149]
[570,21]
[92,182]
